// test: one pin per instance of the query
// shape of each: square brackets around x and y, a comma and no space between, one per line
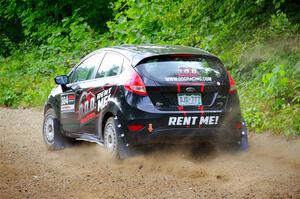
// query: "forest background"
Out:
[258,41]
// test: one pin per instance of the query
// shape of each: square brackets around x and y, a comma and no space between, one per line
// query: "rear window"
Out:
[182,69]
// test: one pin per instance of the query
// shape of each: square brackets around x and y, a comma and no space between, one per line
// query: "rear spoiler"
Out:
[142,58]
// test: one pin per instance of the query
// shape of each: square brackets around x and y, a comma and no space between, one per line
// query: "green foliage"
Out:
[276,83]
[258,41]
[206,24]
[35,21]
[27,76]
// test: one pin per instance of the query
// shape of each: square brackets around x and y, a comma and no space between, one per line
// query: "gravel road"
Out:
[270,169]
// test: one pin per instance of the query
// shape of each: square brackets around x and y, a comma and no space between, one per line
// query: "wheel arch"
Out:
[104,120]
[47,107]
[113,110]
[52,103]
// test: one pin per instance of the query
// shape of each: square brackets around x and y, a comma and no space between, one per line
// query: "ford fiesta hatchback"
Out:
[133,95]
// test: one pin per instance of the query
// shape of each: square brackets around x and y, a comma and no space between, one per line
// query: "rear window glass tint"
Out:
[183,69]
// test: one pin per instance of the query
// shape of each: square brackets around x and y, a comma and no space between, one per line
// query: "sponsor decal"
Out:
[188,79]
[67,103]
[193,120]
[102,99]
[90,104]
[187,72]
[86,107]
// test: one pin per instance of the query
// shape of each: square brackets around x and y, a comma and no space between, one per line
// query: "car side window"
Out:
[85,70]
[110,66]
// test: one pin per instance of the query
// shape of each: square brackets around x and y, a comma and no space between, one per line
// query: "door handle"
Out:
[78,91]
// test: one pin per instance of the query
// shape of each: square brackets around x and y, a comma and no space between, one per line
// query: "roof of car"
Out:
[136,53]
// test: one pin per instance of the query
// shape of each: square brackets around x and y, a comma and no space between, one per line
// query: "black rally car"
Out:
[133,95]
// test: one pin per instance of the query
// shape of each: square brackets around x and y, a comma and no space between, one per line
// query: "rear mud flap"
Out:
[127,151]
[244,137]
[124,150]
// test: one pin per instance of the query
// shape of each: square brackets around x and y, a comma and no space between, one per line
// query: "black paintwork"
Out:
[130,108]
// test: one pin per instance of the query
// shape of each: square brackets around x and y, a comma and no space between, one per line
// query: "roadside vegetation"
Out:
[258,41]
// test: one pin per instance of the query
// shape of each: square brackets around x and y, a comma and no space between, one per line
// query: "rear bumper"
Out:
[178,126]
[183,136]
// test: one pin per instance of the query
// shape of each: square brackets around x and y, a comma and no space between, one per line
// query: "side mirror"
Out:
[61,80]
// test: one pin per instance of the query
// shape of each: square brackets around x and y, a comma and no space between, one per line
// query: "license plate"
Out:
[185,99]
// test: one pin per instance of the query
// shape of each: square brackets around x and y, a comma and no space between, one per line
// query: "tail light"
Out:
[238,125]
[135,84]
[232,86]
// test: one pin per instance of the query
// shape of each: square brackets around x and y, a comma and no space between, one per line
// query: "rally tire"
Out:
[53,138]
[111,140]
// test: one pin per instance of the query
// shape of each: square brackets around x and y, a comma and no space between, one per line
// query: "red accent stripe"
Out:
[201,110]
[201,87]
[88,117]
[191,83]
[181,109]
[201,113]
[178,88]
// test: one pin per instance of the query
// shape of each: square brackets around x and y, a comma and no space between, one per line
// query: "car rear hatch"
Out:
[185,82]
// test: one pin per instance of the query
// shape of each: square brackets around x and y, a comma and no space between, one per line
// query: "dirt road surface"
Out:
[270,169]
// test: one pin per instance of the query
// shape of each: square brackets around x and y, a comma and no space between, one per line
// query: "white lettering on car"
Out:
[187,79]
[172,121]
[179,121]
[183,71]
[64,100]
[203,120]
[187,120]
[194,120]
[211,120]
[102,99]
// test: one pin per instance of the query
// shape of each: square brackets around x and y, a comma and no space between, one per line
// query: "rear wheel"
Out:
[111,142]
[51,131]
